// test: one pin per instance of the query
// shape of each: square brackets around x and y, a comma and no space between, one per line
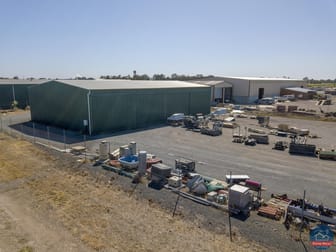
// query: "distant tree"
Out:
[306,79]
[159,77]
[143,77]
[15,77]
[127,77]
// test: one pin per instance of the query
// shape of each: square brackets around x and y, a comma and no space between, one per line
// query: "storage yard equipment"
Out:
[235,179]
[281,108]
[176,119]
[270,212]
[281,134]
[175,181]
[283,127]
[215,131]
[258,131]
[260,139]
[77,150]
[185,165]
[263,120]
[197,185]
[240,199]
[160,173]
[250,142]
[302,149]
[292,108]
[211,196]
[191,122]
[327,155]
[315,216]
[280,145]
[253,185]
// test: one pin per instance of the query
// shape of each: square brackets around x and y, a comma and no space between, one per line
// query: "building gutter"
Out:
[89,111]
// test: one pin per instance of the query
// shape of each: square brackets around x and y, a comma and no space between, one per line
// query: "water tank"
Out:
[132,147]
[122,150]
[142,158]
[103,150]
[127,152]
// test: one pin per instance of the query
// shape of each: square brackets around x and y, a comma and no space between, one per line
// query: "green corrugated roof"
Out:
[21,82]
[128,84]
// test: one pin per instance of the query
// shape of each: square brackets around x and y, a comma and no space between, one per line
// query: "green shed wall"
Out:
[59,104]
[115,110]
[6,96]
[21,95]
[66,106]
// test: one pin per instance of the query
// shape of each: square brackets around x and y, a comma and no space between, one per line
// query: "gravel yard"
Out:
[278,171]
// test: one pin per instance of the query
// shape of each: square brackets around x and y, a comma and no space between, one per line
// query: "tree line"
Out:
[313,81]
[173,76]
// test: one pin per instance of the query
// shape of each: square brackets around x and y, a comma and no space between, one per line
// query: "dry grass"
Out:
[106,217]
[16,158]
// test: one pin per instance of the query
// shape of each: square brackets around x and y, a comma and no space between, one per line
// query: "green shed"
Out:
[114,105]
[15,90]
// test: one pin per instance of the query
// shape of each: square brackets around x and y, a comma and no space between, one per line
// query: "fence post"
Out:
[34,140]
[230,228]
[48,136]
[21,130]
[84,147]
[10,129]
[64,139]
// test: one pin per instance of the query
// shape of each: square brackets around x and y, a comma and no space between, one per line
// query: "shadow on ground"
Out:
[67,136]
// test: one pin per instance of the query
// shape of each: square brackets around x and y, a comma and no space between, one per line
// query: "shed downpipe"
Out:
[13,90]
[89,111]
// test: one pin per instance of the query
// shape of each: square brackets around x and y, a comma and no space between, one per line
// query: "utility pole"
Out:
[303,206]
[229,209]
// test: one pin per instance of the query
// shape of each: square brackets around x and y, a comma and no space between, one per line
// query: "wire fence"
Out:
[59,138]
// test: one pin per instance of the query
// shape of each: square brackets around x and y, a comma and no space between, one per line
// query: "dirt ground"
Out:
[51,202]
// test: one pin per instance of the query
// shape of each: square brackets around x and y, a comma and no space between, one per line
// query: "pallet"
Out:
[270,212]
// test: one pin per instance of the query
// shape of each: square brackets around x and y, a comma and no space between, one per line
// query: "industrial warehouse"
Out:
[246,90]
[114,105]
[15,90]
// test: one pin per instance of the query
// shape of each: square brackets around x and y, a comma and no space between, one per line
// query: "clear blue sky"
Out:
[271,38]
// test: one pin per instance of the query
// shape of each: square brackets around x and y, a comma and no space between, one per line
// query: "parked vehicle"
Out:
[280,98]
[218,112]
[289,97]
[176,119]
[266,101]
